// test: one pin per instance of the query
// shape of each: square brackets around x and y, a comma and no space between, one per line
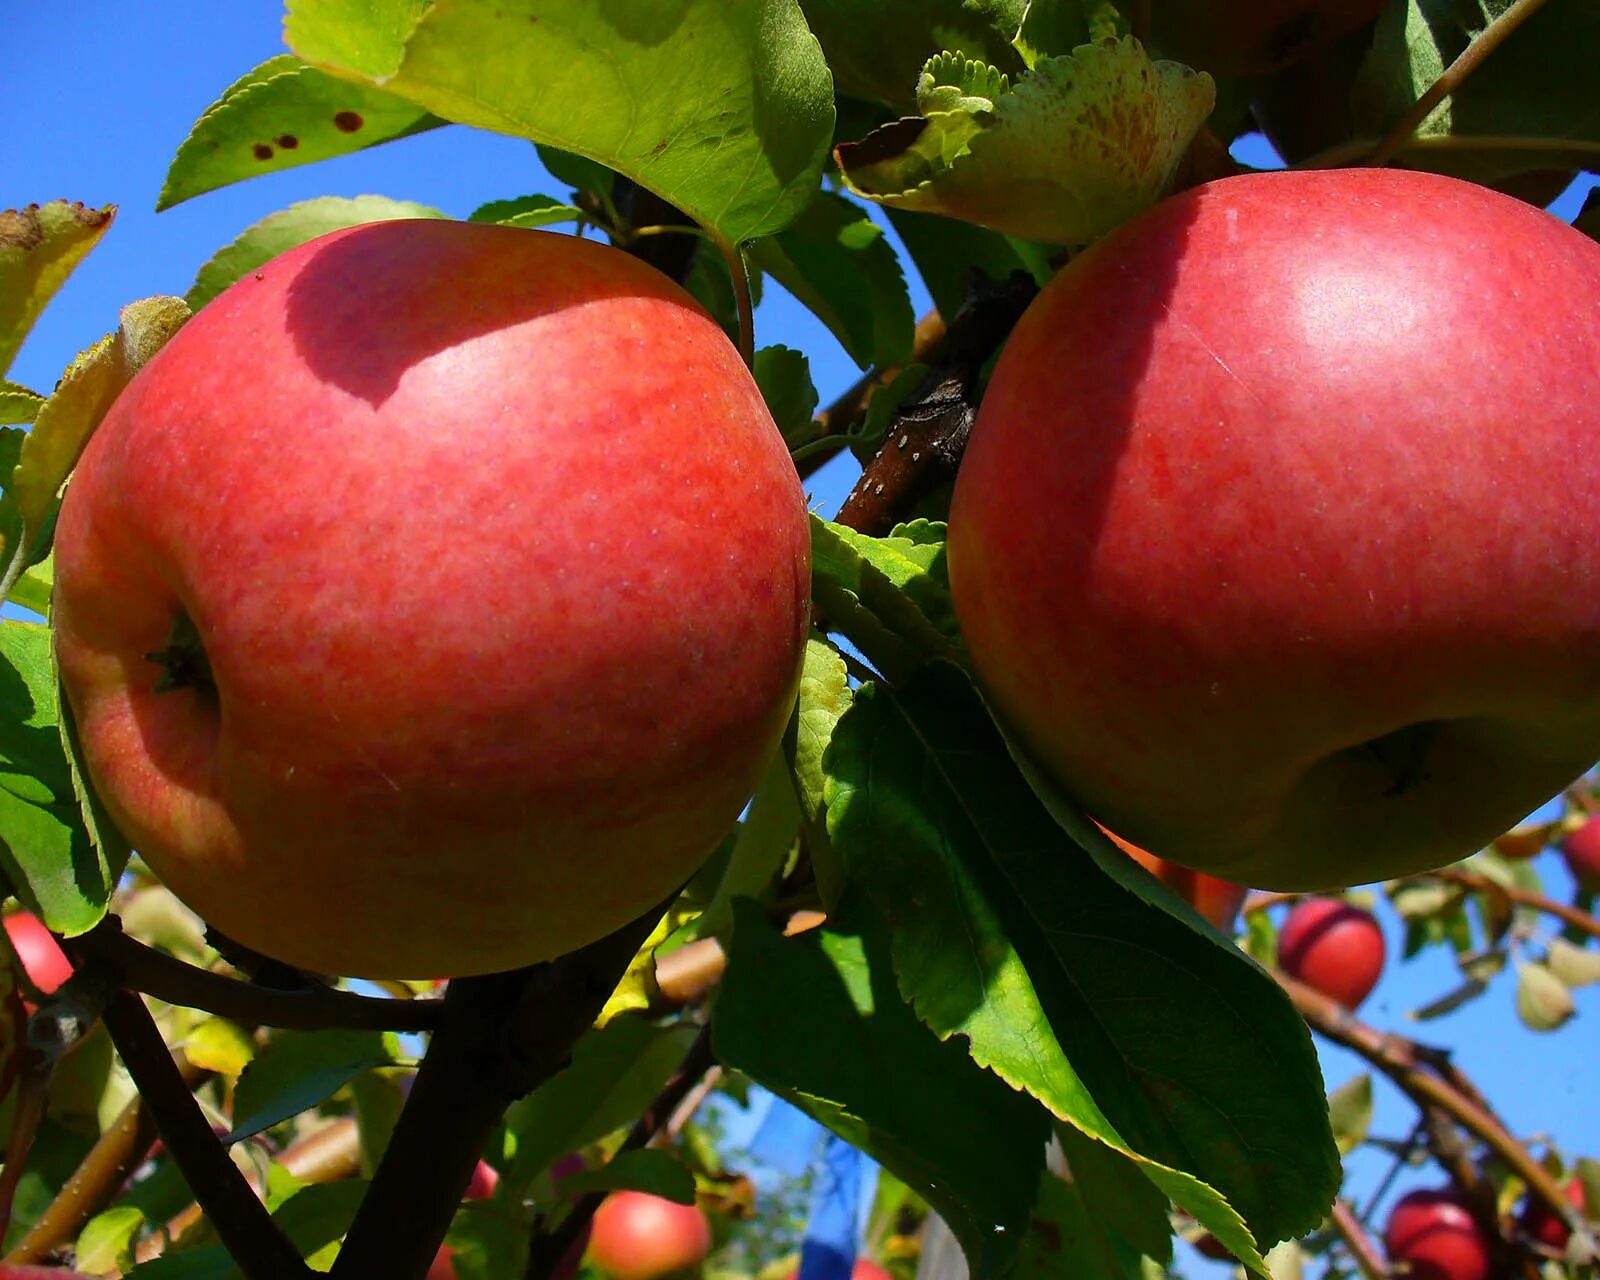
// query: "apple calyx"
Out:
[184,662]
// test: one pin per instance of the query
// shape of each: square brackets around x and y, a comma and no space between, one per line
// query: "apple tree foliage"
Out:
[991,973]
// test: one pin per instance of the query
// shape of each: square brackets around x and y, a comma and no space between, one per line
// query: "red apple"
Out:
[1217,900]
[1580,849]
[1540,1222]
[22,1271]
[1233,545]
[42,958]
[479,1187]
[641,1237]
[430,604]
[1251,37]
[1434,1233]
[1333,946]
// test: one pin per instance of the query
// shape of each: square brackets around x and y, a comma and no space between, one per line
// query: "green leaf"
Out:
[890,596]
[40,245]
[1142,1029]
[318,1214]
[765,839]
[1120,1199]
[18,407]
[876,48]
[824,696]
[1350,1112]
[1529,105]
[655,1172]
[836,261]
[817,1019]
[614,1074]
[219,1045]
[280,115]
[44,845]
[204,1262]
[1079,144]
[723,110]
[528,211]
[946,251]
[300,1069]
[577,172]
[277,232]
[1059,26]
[106,1241]
[784,376]
[1066,1240]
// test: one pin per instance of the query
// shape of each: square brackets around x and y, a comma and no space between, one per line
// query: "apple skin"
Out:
[42,958]
[637,1236]
[1235,547]
[1333,946]
[1580,849]
[1217,900]
[501,569]
[1253,37]
[1543,1225]
[1437,1235]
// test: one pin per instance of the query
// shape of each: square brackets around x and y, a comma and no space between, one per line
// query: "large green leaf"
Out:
[724,110]
[818,1020]
[44,845]
[39,247]
[1072,148]
[613,1075]
[280,115]
[1140,1028]
[1530,105]
[300,1069]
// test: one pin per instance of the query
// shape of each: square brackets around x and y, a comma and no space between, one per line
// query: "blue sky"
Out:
[99,100]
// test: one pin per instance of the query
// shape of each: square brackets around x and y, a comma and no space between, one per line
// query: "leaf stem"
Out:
[1452,77]
[256,1242]
[733,255]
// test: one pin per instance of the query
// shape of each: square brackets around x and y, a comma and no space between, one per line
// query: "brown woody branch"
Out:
[1369,1261]
[304,1008]
[1477,883]
[1411,1068]
[257,1244]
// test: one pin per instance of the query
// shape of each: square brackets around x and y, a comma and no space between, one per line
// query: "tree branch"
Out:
[1404,1063]
[1477,883]
[501,1036]
[257,1244]
[101,1174]
[306,1008]
[546,1250]
[1369,1261]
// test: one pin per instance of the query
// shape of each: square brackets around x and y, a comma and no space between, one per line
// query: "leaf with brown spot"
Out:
[282,114]
[39,247]
[1077,145]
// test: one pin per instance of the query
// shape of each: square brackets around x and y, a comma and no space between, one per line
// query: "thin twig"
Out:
[1403,1062]
[1478,883]
[1452,77]
[313,1008]
[1362,1249]
[258,1246]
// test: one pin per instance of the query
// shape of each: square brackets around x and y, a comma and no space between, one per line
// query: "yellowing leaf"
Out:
[39,247]
[82,398]
[1077,145]
[219,1045]
[1544,1002]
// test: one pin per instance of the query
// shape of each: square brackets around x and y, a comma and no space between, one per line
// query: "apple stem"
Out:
[183,661]
[1452,77]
